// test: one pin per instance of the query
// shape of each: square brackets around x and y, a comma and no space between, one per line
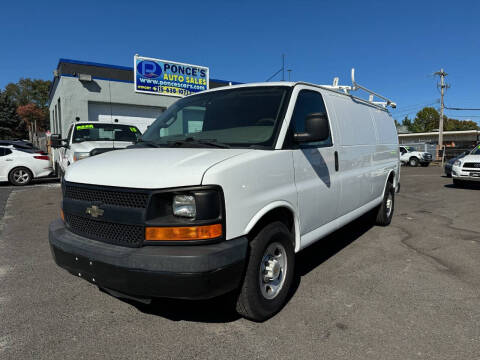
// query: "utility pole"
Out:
[443,86]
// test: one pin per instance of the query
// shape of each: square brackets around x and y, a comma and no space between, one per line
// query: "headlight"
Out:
[80,155]
[184,206]
[457,163]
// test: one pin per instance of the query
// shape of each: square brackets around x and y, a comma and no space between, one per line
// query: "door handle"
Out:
[336,160]
[8,159]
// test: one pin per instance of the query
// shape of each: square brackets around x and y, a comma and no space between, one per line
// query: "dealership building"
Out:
[87,91]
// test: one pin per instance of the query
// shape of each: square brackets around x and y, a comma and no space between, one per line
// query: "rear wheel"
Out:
[413,161]
[20,176]
[269,273]
[385,210]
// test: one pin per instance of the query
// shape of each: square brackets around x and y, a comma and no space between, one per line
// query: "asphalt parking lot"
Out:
[407,291]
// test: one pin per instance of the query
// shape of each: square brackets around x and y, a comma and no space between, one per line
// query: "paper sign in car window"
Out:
[132,129]
[82,127]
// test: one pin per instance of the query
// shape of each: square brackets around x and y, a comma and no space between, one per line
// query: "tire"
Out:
[413,161]
[20,176]
[458,183]
[260,298]
[386,209]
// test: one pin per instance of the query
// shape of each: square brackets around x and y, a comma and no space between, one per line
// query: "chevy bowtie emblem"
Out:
[94,211]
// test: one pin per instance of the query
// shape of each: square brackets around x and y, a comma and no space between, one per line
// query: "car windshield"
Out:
[105,132]
[410,148]
[241,117]
[476,150]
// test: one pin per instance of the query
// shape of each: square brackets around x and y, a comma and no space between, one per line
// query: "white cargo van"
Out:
[86,139]
[223,189]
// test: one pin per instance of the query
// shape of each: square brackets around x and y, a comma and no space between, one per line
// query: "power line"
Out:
[455,108]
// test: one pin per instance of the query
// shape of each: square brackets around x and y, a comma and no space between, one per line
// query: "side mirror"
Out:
[56,141]
[316,129]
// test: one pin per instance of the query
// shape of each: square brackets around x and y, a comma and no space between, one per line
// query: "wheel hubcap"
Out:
[273,269]
[389,204]
[21,176]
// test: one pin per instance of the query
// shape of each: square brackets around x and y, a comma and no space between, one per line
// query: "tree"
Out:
[9,120]
[454,124]
[30,97]
[407,123]
[32,117]
[426,120]
[28,90]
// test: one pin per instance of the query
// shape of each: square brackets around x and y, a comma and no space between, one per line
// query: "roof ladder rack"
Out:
[372,94]
[355,86]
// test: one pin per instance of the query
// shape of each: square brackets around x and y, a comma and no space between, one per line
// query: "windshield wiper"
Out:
[145,143]
[191,140]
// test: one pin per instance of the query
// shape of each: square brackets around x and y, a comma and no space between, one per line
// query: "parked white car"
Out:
[467,169]
[86,139]
[222,191]
[410,156]
[20,167]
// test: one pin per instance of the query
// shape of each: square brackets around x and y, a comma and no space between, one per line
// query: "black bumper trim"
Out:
[188,272]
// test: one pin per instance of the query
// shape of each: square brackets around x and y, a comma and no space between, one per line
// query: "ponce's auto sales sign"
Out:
[162,77]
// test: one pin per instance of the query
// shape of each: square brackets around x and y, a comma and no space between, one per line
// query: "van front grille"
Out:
[113,233]
[107,196]
[471,165]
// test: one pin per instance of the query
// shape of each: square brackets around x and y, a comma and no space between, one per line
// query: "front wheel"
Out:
[413,161]
[269,273]
[20,176]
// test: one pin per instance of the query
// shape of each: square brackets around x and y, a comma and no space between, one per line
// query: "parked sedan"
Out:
[449,164]
[20,167]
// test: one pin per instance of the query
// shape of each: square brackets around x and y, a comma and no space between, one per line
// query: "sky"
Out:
[394,46]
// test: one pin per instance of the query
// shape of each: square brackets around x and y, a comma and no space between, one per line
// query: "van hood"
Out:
[149,168]
[87,146]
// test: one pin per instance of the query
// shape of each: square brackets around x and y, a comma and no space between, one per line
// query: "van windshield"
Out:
[241,117]
[105,132]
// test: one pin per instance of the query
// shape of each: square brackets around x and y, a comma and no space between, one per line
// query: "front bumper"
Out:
[184,272]
[459,173]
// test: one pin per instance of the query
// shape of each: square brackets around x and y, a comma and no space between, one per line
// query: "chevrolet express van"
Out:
[223,189]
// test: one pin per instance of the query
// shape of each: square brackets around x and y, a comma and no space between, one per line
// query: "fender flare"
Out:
[394,180]
[271,206]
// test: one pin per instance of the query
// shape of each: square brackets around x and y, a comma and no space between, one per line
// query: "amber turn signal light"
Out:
[183,233]
[62,215]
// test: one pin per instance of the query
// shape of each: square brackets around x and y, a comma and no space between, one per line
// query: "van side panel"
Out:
[385,158]
[357,145]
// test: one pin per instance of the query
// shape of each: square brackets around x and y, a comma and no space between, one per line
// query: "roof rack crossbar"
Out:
[356,86]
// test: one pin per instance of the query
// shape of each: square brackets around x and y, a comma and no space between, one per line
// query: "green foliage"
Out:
[30,96]
[454,124]
[28,90]
[428,119]
[407,123]
[9,120]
